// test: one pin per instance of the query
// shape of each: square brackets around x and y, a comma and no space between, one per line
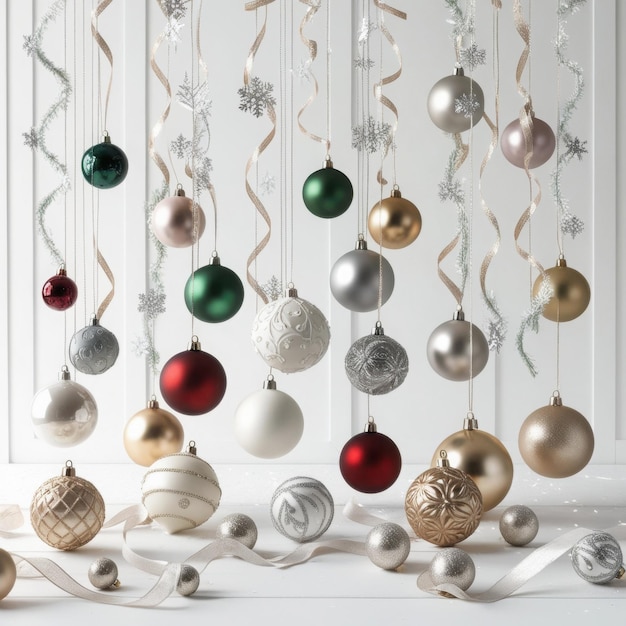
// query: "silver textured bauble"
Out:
[355,279]
[240,527]
[519,525]
[597,558]
[188,581]
[93,349]
[450,352]
[302,509]
[102,574]
[452,565]
[388,545]
[290,334]
[376,364]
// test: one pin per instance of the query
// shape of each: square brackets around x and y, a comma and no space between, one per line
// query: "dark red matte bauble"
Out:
[193,382]
[59,292]
[370,462]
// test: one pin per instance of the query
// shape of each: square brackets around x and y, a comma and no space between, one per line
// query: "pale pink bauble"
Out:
[514,147]
[173,222]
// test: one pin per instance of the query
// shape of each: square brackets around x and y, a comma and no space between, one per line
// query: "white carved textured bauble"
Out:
[93,349]
[290,334]
[302,509]
[180,491]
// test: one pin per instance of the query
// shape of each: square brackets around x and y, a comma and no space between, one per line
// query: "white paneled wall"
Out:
[426,408]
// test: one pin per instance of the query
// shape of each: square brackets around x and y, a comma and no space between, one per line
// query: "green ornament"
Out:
[328,192]
[104,165]
[213,293]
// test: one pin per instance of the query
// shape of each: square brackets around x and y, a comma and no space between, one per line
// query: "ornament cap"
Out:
[378,329]
[458,71]
[328,164]
[64,374]
[371,427]
[292,292]
[68,469]
[62,271]
[179,191]
[94,321]
[191,448]
[106,138]
[153,403]
[470,422]
[194,344]
[361,244]
[215,258]
[269,382]
[556,399]
[561,262]
[395,192]
[442,461]
[620,572]
[458,315]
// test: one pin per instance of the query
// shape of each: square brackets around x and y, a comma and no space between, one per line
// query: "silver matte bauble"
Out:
[302,509]
[177,221]
[188,581]
[102,574]
[454,566]
[93,349]
[597,558]
[64,414]
[376,364]
[519,525]
[388,545]
[290,334]
[451,353]
[514,148]
[239,527]
[355,279]
[456,102]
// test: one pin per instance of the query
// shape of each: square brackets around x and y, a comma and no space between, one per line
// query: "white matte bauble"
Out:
[177,221]
[180,491]
[290,334]
[388,545]
[456,102]
[93,349]
[302,509]
[268,423]
[64,414]
[355,279]
[451,352]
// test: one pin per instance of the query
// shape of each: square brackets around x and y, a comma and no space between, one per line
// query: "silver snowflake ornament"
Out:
[273,288]
[152,303]
[363,63]
[267,185]
[194,97]
[140,346]
[256,96]
[303,71]
[571,225]
[173,8]
[574,147]
[466,104]
[32,138]
[473,56]
[172,28]
[181,147]
[31,43]
[365,30]
[451,189]
[371,136]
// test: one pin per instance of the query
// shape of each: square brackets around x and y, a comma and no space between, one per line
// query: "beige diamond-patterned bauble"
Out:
[443,505]
[67,511]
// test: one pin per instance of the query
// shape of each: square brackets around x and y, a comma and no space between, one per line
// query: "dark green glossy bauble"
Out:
[104,165]
[327,193]
[213,293]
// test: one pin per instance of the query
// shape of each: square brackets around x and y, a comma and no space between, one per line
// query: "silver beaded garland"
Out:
[452,565]
[388,545]
[519,525]
[102,574]
[240,527]
[188,581]
[597,558]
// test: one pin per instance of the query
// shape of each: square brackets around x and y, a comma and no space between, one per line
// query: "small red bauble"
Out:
[59,292]
[370,462]
[193,382]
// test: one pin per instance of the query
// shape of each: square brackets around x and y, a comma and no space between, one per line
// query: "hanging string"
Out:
[104,47]
[195,245]
[329,52]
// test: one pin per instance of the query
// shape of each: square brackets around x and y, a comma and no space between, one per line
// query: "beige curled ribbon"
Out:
[104,46]
[11,518]
[104,266]
[158,126]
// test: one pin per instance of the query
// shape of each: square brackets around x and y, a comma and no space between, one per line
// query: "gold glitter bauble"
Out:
[67,511]
[394,222]
[443,505]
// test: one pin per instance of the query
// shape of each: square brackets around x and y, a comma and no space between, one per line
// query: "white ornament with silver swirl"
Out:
[519,525]
[290,334]
[93,349]
[376,364]
[597,558]
[388,545]
[302,509]
[454,566]
[239,527]
[180,491]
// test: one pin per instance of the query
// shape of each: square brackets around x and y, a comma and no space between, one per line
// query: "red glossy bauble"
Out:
[59,292]
[193,382]
[370,462]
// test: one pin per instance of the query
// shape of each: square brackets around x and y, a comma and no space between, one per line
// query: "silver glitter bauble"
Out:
[302,509]
[290,334]
[452,565]
[188,581]
[518,525]
[64,414]
[388,545]
[102,574]
[597,558]
[451,353]
[240,527]
[376,364]
[93,349]
[355,279]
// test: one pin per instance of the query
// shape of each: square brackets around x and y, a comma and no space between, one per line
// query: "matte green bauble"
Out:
[328,192]
[104,165]
[213,293]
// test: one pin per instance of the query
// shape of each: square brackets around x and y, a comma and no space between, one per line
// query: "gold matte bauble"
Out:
[483,457]
[152,433]
[394,222]
[571,293]
[8,573]
[67,511]
[556,441]
[443,505]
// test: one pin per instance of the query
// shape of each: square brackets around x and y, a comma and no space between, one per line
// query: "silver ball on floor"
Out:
[519,525]
[388,545]
[452,565]
[188,581]
[102,574]
[240,527]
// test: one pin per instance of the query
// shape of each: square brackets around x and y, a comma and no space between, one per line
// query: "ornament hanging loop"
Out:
[556,399]
[371,427]
[470,422]
[68,469]
[191,448]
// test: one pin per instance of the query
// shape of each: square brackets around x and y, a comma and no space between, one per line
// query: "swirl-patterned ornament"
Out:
[93,349]
[597,558]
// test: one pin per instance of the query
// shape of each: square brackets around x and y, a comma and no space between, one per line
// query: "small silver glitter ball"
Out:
[597,558]
[93,349]
[452,565]
[518,525]
[188,581]
[240,527]
[388,545]
[102,574]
